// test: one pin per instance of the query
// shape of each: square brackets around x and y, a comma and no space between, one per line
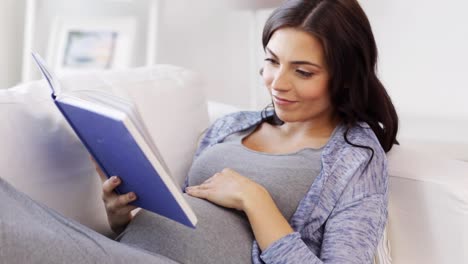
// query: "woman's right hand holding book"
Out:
[117,206]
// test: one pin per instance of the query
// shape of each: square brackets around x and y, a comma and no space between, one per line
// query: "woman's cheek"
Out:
[313,90]
[311,94]
[267,76]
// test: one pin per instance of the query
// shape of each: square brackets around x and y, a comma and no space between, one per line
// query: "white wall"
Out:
[11,39]
[207,37]
[422,46]
[222,41]
[423,64]
[47,11]
[423,54]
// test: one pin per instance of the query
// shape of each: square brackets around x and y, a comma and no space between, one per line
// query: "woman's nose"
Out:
[281,81]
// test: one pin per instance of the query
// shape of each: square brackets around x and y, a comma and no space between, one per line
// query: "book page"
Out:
[53,83]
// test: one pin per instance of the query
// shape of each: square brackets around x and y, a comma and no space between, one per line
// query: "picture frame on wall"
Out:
[85,43]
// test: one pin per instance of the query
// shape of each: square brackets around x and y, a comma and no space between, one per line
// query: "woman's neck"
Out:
[317,128]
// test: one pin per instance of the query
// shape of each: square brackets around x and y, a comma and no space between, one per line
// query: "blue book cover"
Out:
[119,148]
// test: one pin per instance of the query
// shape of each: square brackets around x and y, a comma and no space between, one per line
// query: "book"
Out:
[113,132]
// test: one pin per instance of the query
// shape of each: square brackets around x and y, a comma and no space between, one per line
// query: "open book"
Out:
[114,134]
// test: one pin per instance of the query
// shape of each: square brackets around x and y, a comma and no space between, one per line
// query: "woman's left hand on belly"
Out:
[228,189]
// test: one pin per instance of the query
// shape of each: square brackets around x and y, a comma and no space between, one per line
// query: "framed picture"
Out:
[78,44]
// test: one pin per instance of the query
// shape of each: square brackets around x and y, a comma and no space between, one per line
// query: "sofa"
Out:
[42,157]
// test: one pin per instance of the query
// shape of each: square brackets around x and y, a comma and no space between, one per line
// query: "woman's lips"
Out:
[282,101]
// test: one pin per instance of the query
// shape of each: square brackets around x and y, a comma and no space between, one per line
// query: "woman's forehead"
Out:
[293,44]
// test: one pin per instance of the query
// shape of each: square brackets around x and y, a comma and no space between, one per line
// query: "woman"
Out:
[303,182]
[307,179]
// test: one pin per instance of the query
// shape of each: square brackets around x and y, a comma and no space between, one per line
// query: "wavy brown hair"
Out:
[351,56]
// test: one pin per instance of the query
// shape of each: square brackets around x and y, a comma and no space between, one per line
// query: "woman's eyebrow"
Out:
[271,52]
[307,63]
[294,62]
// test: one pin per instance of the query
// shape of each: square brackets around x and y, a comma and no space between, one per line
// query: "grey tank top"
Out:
[224,235]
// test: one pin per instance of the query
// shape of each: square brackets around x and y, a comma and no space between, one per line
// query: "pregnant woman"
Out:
[303,181]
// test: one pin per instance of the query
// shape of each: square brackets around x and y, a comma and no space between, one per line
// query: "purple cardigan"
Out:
[342,216]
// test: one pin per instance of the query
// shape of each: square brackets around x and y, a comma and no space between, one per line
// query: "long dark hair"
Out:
[351,56]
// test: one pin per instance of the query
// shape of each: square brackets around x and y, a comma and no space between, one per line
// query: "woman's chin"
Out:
[285,117]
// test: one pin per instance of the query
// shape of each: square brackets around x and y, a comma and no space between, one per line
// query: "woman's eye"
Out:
[304,73]
[270,60]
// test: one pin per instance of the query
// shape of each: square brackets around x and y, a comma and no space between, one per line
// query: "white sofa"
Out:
[40,155]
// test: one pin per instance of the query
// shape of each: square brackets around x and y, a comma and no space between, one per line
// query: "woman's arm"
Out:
[350,235]
[267,222]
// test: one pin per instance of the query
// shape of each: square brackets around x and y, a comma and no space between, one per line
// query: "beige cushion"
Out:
[42,157]
[428,208]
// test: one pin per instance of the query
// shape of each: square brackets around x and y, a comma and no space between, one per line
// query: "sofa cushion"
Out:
[428,207]
[42,156]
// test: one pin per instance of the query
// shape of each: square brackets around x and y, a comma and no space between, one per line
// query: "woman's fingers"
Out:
[112,200]
[119,204]
[123,211]
[198,191]
[109,185]
[126,198]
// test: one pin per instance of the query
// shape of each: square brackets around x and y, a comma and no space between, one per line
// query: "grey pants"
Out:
[32,233]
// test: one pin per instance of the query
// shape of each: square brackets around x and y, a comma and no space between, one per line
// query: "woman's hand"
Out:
[228,189]
[232,190]
[117,206]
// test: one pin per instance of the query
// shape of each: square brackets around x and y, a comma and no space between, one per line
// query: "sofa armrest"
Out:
[428,207]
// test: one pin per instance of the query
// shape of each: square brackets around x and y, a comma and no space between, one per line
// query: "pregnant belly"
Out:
[222,235]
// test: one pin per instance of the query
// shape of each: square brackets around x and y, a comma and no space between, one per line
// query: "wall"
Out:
[422,50]
[11,26]
[48,11]
[221,40]
[208,37]
[204,35]
[423,54]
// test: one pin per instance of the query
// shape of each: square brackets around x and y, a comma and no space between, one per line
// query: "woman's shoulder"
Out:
[238,118]
[361,134]
[227,125]
[234,122]
[361,164]
[355,147]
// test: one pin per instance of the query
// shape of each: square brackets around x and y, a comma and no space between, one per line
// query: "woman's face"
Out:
[296,76]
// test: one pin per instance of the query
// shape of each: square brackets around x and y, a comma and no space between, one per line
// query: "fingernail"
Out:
[132,196]
[115,179]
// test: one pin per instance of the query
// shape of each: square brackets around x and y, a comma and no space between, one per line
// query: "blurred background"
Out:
[422,45]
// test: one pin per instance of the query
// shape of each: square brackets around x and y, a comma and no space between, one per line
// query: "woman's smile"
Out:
[282,101]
